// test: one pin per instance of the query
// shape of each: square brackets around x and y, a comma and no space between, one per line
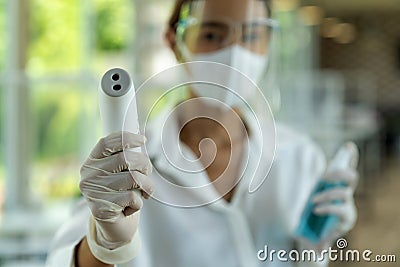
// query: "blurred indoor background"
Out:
[337,69]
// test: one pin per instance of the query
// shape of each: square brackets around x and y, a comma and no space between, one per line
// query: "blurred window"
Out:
[59,51]
[66,37]
[51,64]
[2,101]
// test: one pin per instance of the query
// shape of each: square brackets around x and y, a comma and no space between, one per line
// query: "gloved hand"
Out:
[339,201]
[112,192]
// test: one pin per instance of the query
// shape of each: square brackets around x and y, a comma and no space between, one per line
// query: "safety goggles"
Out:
[203,34]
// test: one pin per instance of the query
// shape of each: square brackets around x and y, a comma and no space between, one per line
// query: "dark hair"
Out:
[178,5]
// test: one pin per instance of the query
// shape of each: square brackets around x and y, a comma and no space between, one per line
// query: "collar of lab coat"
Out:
[166,150]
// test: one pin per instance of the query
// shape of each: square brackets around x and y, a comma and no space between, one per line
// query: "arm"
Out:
[336,201]
[85,258]
[112,182]
[113,240]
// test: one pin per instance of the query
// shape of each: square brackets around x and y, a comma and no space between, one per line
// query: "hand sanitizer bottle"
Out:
[315,227]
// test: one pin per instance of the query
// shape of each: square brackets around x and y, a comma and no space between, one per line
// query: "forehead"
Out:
[238,10]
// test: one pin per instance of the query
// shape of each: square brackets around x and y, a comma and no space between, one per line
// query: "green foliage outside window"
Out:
[57,34]
[113,24]
[56,45]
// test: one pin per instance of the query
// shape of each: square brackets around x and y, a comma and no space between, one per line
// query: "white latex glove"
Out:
[112,192]
[344,208]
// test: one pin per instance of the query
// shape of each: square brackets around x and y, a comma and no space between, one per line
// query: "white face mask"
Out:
[248,63]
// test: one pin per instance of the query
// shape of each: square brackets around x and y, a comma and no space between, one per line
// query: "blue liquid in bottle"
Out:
[315,227]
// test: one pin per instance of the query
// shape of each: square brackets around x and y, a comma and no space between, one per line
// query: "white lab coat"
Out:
[219,234]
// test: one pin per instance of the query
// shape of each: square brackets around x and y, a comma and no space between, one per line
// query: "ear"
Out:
[170,38]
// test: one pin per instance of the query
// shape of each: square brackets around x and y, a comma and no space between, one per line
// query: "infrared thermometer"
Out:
[118,109]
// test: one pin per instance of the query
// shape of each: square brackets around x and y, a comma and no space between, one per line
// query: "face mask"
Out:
[246,62]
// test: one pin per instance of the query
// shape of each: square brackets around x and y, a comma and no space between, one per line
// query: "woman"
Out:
[106,228]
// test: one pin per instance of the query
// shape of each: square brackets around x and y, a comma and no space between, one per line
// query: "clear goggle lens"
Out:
[202,35]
